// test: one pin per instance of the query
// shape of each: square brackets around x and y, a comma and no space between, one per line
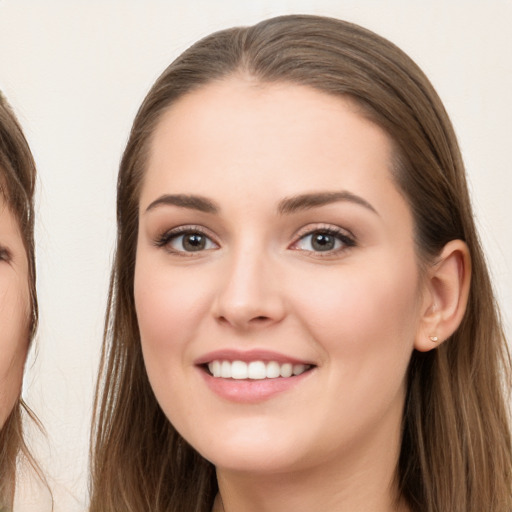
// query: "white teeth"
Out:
[215,368]
[255,370]
[273,370]
[299,368]
[225,370]
[286,370]
[238,370]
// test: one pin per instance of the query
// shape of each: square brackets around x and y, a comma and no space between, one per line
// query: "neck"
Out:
[356,476]
[357,490]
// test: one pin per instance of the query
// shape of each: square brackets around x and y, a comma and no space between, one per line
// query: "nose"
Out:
[249,294]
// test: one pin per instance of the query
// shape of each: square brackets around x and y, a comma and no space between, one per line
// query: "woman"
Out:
[300,316]
[18,303]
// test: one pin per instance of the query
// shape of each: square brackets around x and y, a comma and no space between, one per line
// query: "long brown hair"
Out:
[456,448]
[17,184]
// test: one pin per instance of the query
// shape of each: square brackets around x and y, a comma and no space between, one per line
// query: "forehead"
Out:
[6,188]
[238,104]
[249,125]
[8,220]
[7,211]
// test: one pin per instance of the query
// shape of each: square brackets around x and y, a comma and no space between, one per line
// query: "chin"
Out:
[253,460]
[257,450]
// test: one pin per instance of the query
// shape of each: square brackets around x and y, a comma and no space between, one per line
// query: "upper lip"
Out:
[248,356]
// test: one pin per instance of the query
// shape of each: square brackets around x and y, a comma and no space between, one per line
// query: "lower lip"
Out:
[251,391]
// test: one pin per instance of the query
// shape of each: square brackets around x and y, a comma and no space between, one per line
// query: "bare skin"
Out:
[270,224]
[14,307]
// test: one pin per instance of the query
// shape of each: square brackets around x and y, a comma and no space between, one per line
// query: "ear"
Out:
[445,297]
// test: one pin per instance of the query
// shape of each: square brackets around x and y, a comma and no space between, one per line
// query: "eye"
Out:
[186,240]
[324,240]
[5,254]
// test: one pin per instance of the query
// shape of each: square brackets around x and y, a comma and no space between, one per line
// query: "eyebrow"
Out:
[307,201]
[192,202]
[286,206]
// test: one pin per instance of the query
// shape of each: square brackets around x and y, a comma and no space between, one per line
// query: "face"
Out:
[276,284]
[14,310]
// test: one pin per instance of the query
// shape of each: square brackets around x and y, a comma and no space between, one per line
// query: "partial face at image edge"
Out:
[14,310]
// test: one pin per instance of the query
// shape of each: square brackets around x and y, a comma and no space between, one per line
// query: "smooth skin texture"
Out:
[249,274]
[14,310]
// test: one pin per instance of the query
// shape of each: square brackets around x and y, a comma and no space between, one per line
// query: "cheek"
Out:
[364,322]
[169,306]
[359,310]
[14,337]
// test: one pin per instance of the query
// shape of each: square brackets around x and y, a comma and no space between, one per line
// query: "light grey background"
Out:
[76,72]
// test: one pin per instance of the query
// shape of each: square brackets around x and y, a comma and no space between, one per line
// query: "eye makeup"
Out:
[323,240]
[192,238]
[5,253]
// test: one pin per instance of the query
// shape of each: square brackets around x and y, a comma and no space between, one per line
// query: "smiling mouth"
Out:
[254,370]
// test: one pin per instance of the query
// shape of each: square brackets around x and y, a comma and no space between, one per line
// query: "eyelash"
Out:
[5,254]
[347,241]
[165,239]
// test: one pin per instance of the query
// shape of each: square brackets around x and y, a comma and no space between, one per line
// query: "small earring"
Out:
[434,339]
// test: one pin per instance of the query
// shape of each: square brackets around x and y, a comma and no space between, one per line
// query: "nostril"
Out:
[254,321]
[223,320]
